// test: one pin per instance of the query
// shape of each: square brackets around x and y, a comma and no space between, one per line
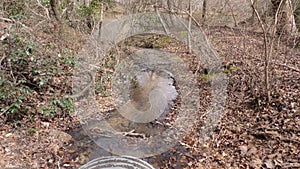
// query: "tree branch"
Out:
[161,20]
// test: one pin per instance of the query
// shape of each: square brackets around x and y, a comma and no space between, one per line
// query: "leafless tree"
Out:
[285,15]
[269,39]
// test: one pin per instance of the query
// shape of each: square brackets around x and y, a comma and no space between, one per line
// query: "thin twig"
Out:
[132,134]
[31,10]
[231,11]
[38,24]
[161,20]
[18,22]
[6,19]
[3,112]
[63,12]
[188,14]
[3,57]
[29,30]
[46,9]
[11,72]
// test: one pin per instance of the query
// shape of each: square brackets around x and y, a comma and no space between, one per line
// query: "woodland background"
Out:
[257,40]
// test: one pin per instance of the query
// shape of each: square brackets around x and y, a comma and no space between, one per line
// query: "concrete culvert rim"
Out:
[117,162]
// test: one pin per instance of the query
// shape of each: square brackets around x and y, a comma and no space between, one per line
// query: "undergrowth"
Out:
[31,77]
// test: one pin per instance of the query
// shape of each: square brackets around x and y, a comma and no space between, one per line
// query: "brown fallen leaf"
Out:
[256,163]
[269,163]
[243,149]
[251,151]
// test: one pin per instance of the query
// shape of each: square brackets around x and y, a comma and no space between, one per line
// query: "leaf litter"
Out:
[251,133]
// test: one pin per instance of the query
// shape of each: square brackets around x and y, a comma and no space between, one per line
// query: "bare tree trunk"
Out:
[54,10]
[286,17]
[289,17]
[190,25]
[253,12]
[269,40]
[101,17]
[160,19]
[89,18]
[204,10]
[267,51]
[170,6]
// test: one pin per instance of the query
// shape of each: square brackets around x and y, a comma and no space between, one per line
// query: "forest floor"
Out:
[251,133]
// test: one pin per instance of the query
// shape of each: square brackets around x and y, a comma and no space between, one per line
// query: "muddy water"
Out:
[118,122]
[87,149]
[85,145]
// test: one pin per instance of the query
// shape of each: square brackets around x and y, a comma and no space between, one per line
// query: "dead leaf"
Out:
[60,135]
[243,149]
[256,163]
[251,151]
[269,163]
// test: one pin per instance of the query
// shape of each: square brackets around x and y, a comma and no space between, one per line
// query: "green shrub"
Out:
[13,9]
[13,98]
[57,106]
[27,77]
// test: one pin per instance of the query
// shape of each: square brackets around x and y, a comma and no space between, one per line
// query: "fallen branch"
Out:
[16,22]
[45,8]
[269,134]
[287,66]
[132,134]
[284,65]
[291,165]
